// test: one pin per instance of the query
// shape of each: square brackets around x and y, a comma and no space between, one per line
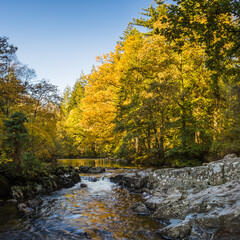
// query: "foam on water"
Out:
[102,185]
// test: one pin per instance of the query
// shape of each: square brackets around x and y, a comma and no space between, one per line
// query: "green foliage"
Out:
[3,157]
[179,163]
[17,135]
[213,24]
[31,166]
[69,131]
[76,94]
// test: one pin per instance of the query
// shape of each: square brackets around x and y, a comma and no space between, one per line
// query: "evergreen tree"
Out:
[17,136]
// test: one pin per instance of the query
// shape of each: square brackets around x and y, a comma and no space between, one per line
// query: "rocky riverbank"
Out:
[198,203]
[19,190]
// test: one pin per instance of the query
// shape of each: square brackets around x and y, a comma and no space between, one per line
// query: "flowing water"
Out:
[102,210]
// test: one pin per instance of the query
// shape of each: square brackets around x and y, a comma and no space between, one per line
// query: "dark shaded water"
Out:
[100,211]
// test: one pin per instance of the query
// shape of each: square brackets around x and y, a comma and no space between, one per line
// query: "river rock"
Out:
[45,185]
[177,231]
[229,156]
[83,185]
[92,179]
[65,182]
[140,208]
[16,192]
[88,169]
[75,177]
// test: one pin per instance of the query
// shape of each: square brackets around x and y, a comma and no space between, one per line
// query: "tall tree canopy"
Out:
[20,99]
[168,94]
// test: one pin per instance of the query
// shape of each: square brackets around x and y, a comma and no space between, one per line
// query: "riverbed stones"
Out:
[83,185]
[204,199]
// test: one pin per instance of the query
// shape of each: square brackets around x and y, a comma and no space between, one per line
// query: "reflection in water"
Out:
[102,210]
[100,162]
[8,215]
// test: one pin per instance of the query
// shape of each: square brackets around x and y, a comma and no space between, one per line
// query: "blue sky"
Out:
[61,38]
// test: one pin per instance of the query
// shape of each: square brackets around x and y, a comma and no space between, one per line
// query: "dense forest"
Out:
[169,94]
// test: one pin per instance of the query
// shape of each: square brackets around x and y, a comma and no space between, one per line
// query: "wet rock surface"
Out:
[205,200]
[20,190]
[61,177]
[140,208]
[88,169]
[83,185]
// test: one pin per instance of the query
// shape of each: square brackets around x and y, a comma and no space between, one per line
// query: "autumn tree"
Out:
[99,106]
[42,109]
[169,92]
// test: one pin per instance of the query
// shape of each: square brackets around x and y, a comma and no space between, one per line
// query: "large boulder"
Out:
[75,177]
[98,170]
[65,182]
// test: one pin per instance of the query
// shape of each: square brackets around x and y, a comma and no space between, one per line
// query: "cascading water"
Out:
[102,210]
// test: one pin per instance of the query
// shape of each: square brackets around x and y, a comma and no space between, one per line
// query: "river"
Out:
[102,210]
